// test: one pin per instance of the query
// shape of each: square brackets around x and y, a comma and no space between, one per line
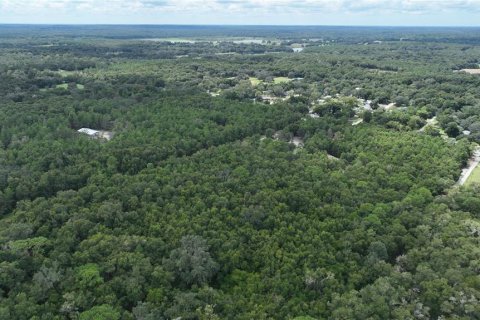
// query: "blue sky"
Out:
[270,12]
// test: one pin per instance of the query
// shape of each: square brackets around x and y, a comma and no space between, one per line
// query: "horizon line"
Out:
[234,25]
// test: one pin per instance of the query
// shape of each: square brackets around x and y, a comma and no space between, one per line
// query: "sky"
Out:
[244,12]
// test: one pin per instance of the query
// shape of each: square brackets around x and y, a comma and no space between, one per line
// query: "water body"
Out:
[171,40]
[249,41]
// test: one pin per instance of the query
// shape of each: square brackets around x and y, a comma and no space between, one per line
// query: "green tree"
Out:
[88,276]
[191,262]
[101,312]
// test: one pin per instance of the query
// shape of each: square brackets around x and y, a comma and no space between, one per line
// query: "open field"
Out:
[471,71]
[62,86]
[65,86]
[66,73]
[474,177]
[278,80]
[255,81]
[471,174]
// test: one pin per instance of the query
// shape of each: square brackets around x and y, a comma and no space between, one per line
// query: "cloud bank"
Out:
[220,11]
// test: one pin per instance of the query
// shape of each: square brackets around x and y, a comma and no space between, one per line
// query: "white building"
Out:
[90,132]
[108,135]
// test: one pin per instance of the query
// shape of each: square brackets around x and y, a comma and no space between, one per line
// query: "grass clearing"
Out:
[65,86]
[255,81]
[65,73]
[474,177]
[278,80]
[62,86]
[471,71]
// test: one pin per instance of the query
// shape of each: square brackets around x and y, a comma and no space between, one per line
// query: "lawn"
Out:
[278,80]
[62,86]
[255,81]
[474,177]
[65,86]
[65,73]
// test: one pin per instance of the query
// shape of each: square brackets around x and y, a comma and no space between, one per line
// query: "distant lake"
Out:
[171,40]
[249,41]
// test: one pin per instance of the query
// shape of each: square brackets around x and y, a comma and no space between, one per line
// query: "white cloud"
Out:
[163,10]
[245,5]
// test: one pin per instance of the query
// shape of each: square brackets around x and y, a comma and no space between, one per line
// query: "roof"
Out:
[89,131]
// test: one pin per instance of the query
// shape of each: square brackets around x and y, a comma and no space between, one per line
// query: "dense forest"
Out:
[246,173]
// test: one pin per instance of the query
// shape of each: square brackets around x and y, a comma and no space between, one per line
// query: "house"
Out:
[90,132]
[387,107]
[97,134]
[368,105]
